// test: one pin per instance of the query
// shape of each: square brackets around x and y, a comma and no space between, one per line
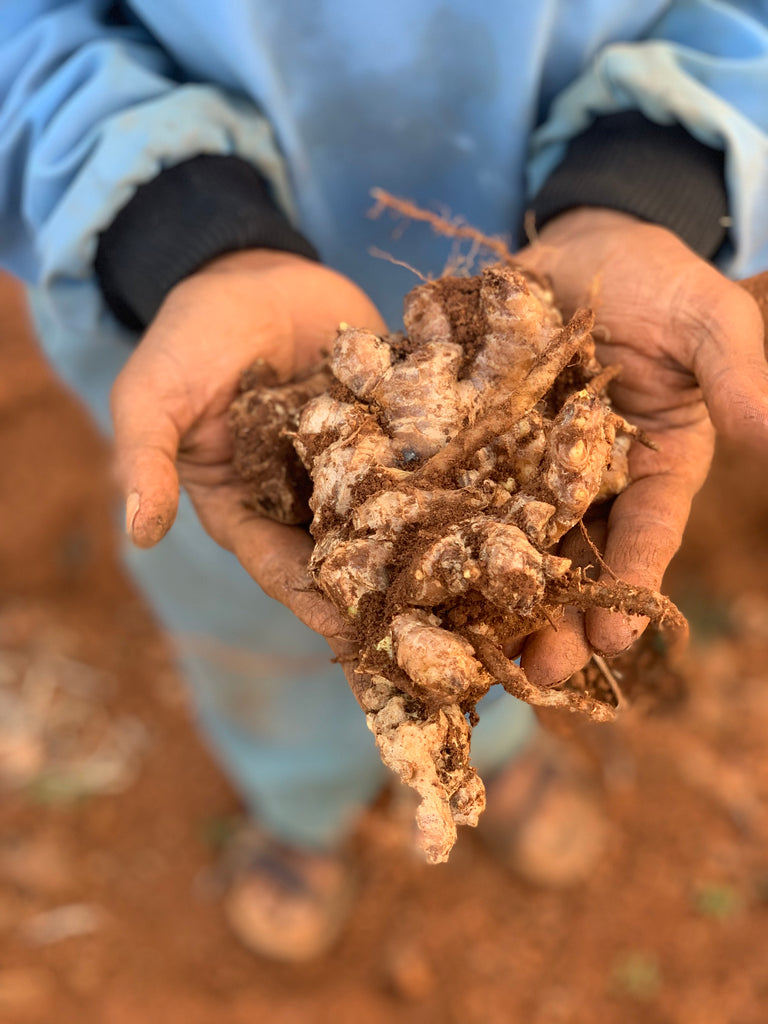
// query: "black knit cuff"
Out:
[182,219]
[659,173]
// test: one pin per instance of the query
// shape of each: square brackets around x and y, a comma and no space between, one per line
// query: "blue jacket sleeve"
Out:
[90,109]
[704,66]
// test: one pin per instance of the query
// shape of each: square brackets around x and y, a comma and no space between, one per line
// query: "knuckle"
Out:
[647,549]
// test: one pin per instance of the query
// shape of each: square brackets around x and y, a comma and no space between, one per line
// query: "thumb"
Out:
[730,366]
[148,426]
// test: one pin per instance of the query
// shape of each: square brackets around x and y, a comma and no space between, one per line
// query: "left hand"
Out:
[690,345]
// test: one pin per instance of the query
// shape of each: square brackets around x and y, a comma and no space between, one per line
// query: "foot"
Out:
[287,904]
[544,818]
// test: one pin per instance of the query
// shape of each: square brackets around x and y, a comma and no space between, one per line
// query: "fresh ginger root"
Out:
[441,468]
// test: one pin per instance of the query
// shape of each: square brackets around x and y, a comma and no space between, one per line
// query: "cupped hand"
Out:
[690,346]
[170,404]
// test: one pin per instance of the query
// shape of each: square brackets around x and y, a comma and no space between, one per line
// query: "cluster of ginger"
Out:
[439,469]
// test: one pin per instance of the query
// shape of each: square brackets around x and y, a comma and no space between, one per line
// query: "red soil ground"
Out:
[671,928]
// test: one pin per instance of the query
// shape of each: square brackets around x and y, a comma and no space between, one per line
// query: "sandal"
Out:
[545,819]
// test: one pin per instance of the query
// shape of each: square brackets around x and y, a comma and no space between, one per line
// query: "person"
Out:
[184,193]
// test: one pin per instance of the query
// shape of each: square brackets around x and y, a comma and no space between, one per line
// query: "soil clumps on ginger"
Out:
[440,469]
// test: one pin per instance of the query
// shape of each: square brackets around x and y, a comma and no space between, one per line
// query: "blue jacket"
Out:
[465,106]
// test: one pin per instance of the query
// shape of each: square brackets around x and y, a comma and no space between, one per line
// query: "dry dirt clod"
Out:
[439,470]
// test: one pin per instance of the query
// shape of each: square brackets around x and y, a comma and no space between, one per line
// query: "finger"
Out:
[146,442]
[277,558]
[645,529]
[552,654]
[726,334]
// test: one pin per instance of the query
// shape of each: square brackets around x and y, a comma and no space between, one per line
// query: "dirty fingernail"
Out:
[131,511]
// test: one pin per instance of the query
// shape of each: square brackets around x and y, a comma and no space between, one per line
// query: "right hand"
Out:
[170,404]
[690,344]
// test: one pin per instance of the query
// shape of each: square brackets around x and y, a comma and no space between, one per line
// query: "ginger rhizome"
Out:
[439,469]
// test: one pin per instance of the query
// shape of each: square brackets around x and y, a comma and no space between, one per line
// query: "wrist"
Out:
[254,261]
[593,237]
[659,173]
[277,294]
[185,218]
[581,221]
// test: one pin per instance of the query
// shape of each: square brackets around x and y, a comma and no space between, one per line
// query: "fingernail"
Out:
[132,503]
